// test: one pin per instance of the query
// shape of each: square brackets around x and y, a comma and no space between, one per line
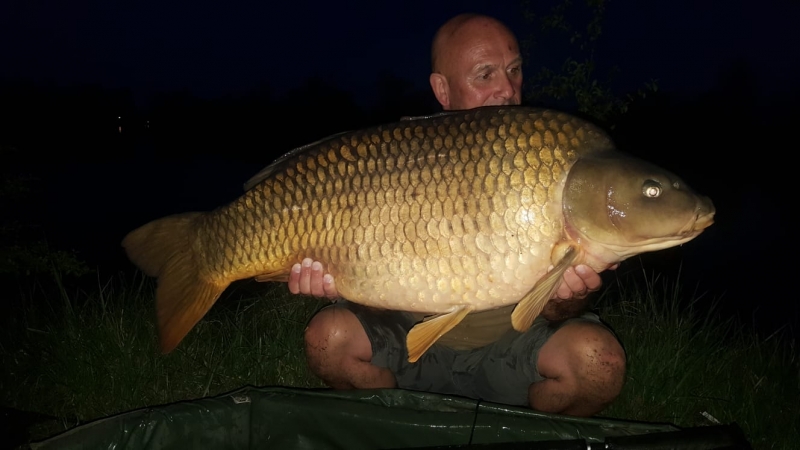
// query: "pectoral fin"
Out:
[533,302]
[425,334]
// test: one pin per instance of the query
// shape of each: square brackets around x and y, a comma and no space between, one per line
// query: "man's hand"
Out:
[570,300]
[578,283]
[307,278]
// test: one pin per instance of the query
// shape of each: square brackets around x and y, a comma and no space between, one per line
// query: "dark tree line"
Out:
[94,124]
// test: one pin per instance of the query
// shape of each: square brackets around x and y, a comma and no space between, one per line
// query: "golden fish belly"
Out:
[419,216]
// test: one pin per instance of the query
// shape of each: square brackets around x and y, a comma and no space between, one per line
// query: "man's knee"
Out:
[589,355]
[333,335]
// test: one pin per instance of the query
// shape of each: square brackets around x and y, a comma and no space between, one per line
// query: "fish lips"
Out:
[703,218]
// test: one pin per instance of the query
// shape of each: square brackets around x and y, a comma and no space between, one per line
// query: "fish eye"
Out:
[651,189]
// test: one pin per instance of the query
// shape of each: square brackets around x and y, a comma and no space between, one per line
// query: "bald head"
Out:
[460,30]
[475,61]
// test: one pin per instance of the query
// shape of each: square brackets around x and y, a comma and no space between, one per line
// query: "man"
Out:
[567,362]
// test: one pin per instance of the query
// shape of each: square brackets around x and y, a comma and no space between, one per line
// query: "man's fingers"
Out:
[305,276]
[578,282]
[309,278]
[329,286]
[315,283]
[571,285]
[294,279]
[591,279]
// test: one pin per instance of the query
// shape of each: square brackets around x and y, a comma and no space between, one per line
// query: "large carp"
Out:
[446,215]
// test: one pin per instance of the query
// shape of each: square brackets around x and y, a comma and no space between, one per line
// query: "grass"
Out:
[91,354]
[689,367]
[83,355]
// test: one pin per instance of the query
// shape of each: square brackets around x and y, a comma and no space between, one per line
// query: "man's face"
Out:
[485,69]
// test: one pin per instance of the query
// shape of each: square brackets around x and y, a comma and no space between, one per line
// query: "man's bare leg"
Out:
[339,352]
[584,367]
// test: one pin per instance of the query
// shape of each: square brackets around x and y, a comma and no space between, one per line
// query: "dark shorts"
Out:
[500,372]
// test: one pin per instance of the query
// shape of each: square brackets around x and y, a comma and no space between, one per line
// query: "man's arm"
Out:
[570,300]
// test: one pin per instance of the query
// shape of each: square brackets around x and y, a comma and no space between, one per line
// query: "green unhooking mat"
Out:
[285,418]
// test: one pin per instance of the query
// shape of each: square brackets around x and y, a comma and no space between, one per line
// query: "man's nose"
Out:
[506,88]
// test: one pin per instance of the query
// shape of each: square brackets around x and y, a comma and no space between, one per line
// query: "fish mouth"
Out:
[703,216]
[701,222]
[695,226]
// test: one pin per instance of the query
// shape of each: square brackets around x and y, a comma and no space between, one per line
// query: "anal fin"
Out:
[281,276]
[423,335]
[534,301]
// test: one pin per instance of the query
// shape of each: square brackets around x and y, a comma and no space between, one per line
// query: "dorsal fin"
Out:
[267,171]
[428,116]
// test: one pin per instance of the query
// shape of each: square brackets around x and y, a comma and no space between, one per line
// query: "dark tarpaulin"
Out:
[287,418]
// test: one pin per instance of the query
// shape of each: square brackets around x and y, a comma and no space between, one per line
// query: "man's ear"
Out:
[440,89]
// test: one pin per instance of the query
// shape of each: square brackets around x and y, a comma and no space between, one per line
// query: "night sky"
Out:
[214,49]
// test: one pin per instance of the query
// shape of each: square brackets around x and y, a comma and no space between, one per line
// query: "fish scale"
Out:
[444,215]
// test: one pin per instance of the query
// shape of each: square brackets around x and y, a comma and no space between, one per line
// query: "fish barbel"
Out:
[448,214]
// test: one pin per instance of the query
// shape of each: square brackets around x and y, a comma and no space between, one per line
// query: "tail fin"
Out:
[163,249]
